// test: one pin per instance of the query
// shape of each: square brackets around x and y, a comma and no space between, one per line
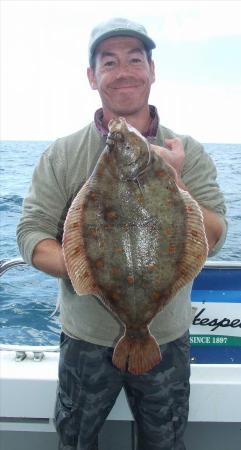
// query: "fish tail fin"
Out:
[121,353]
[136,355]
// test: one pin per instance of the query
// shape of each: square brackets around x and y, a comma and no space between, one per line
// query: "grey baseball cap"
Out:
[118,27]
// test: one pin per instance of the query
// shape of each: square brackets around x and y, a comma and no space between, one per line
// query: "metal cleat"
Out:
[38,356]
[20,356]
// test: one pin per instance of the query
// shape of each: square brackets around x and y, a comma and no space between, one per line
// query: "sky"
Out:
[44,45]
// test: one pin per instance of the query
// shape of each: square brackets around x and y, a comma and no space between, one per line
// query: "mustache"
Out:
[123,81]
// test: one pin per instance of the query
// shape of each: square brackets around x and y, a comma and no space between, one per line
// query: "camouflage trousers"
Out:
[89,385]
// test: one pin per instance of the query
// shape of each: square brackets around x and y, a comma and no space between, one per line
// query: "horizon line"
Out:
[56,138]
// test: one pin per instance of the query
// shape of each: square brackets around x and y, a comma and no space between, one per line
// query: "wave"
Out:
[7,202]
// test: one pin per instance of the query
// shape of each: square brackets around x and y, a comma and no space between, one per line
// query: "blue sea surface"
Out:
[27,296]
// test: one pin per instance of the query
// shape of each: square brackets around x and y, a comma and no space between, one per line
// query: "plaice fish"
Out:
[133,239]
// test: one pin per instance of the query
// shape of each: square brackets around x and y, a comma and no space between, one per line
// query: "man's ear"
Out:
[91,78]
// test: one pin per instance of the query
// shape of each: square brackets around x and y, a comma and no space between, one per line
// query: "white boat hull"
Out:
[28,390]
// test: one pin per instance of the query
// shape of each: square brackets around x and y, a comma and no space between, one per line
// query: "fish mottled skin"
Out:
[133,239]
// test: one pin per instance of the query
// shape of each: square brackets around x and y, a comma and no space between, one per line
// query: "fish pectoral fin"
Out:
[136,355]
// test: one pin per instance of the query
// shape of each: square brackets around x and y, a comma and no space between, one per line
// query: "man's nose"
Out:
[123,69]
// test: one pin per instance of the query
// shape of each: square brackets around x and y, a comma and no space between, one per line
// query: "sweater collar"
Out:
[151,132]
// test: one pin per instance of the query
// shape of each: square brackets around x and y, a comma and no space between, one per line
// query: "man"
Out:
[122,70]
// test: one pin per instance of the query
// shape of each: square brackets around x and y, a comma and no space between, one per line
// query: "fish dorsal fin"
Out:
[74,250]
[195,246]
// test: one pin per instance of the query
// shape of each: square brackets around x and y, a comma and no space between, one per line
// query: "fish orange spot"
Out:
[189,208]
[101,172]
[93,195]
[111,215]
[118,250]
[160,173]
[115,296]
[99,263]
[93,233]
[172,248]
[130,279]
[168,231]
[140,199]
[156,296]
[115,271]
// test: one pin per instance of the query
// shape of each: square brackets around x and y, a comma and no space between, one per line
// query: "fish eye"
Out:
[109,141]
[118,137]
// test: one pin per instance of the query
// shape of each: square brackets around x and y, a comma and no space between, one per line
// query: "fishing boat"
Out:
[28,377]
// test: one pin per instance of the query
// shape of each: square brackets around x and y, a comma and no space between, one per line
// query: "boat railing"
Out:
[6,264]
[222,264]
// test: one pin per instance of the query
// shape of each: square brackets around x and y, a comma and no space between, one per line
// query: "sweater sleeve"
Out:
[44,205]
[200,176]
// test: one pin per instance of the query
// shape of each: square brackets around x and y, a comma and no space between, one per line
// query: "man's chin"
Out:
[126,111]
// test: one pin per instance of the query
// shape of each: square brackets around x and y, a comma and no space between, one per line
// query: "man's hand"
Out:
[173,154]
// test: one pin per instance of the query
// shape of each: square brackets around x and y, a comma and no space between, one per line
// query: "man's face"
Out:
[122,75]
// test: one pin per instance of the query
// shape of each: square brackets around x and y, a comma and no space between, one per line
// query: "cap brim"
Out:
[148,43]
